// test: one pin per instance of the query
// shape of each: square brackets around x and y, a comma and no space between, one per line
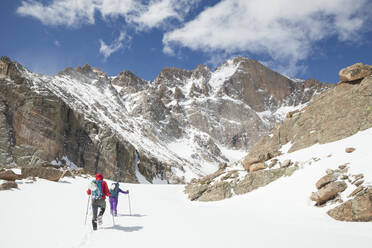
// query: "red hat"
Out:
[99,176]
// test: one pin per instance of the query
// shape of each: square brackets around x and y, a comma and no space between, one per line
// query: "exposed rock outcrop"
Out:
[355,72]
[357,209]
[336,114]
[48,173]
[224,184]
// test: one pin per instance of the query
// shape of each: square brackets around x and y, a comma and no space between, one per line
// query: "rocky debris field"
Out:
[9,177]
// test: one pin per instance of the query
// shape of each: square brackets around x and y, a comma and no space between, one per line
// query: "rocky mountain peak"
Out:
[173,76]
[127,82]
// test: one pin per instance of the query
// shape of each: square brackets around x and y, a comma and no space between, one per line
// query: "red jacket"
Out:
[105,190]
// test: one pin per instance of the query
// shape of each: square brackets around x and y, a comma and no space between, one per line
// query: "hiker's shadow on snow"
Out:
[125,228]
[63,181]
[132,215]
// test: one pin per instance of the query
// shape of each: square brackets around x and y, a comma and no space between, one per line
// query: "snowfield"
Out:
[49,214]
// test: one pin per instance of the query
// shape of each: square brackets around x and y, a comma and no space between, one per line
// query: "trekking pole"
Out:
[130,210]
[86,213]
[113,219]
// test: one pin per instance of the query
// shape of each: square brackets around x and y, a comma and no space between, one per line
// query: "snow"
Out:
[51,214]
[222,73]
[233,155]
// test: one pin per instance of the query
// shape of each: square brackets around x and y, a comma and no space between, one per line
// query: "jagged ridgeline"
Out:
[180,126]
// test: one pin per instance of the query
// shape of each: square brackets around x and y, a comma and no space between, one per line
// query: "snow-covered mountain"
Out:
[179,126]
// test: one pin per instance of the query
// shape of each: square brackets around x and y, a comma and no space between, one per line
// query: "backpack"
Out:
[114,190]
[96,188]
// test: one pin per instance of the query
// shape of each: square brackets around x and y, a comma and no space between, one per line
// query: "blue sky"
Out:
[304,39]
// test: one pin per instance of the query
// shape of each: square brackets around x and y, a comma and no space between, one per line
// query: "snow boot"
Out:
[99,220]
[94,223]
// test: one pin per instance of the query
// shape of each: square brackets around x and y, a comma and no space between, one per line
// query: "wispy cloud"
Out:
[140,15]
[285,31]
[57,43]
[117,44]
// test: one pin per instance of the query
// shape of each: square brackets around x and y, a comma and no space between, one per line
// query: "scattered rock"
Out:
[273,163]
[325,180]
[68,173]
[230,174]
[355,72]
[344,177]
[357,209]
[330,171]
[359,182]
[292,113]
[80,171]
[261,178]
[286,163]
[9,175]
[42,172]
[358,176]
[343,166]
[219,191]
[349,149]
[356,191]
[256,167]
[316,159]
[328,192]
[194,190]
[8,185]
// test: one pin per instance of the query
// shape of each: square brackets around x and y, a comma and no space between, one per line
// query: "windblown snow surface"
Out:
[51,214]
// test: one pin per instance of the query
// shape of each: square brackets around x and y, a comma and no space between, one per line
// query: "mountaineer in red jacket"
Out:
[99,190]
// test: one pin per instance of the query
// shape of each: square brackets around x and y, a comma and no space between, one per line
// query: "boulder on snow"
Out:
[9,175]
[328,192]
[256,167]
[355,72]
[356,191]
[8,185]
[286,163]
[349,149]
[51,174]
[325,180]
[357,209]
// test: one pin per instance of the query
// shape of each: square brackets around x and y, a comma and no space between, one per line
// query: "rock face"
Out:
[334,115]
[357,209]
[126,127]
[355,72]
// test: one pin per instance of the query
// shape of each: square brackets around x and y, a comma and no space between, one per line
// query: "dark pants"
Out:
[97,203]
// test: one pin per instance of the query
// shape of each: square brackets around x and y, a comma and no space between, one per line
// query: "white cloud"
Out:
[74,13]
[284,30]
[117,44]
[57,43]
[69,13]
[142,15]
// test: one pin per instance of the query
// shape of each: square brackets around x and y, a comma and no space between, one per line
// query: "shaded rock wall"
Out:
[37,128]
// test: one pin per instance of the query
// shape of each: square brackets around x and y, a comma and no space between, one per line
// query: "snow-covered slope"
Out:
[49,214]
